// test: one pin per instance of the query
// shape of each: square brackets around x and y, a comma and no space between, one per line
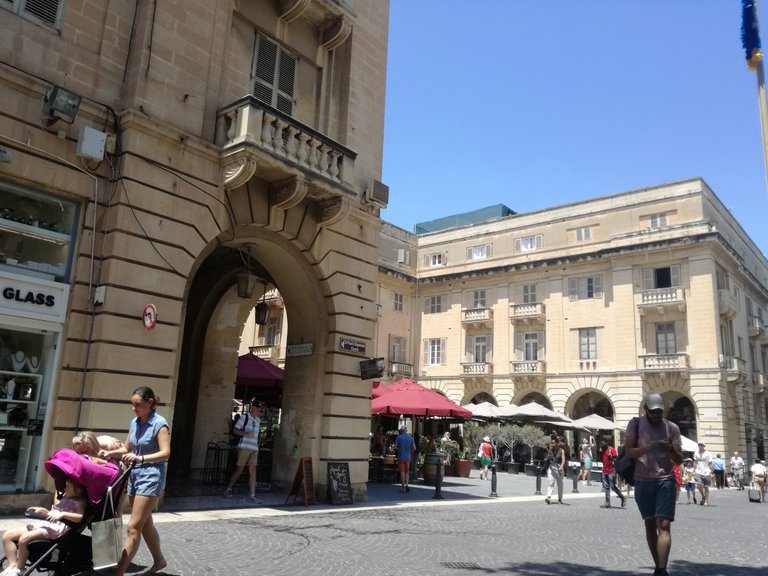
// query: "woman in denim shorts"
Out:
[148,447]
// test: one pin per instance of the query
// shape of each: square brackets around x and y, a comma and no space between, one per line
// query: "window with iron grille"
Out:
[48,13]
[274,75]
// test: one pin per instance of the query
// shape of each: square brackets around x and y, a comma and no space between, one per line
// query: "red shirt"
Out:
[609,455]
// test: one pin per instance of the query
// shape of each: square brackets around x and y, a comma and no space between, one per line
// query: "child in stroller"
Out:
[58,543]
[50,526]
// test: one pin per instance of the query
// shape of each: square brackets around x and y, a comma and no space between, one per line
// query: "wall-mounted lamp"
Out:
[60,104]
[261,311]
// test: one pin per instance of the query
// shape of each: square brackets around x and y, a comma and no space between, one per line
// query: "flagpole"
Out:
[760,69]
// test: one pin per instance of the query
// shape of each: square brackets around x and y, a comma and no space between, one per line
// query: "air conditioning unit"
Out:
[377,193]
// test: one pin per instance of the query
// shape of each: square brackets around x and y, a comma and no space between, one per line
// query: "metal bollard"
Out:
[575,481]
[538,481]
[493,480]
[438,479]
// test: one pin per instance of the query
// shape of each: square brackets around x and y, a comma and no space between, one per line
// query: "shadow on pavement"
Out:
[679,568]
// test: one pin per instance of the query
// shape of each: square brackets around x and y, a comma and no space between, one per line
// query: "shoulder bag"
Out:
[625,466]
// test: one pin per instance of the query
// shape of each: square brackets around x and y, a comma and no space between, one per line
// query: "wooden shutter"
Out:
[45,11]
[648,279]
[488,248]
[274,75]
[674,274]
[538,241]
[573,288]
[540,345]
[443,351]
[470,253]
[597,283]
[519,345]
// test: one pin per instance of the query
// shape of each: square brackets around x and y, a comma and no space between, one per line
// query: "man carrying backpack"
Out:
[247,428]
[654,443]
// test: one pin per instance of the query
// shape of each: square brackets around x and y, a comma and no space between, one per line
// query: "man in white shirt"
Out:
[703,460]
[737,469]
[758,477]
[247,427]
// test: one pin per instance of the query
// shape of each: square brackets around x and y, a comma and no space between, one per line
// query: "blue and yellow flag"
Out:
[750,33]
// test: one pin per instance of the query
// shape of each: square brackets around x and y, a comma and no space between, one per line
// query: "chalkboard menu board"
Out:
[303,481]
[339,487]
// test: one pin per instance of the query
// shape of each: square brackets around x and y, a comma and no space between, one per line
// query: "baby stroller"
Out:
[71,553]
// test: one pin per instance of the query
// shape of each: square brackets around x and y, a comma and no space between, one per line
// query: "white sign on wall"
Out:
[33,298]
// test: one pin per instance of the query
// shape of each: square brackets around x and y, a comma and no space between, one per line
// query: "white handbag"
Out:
[107,537]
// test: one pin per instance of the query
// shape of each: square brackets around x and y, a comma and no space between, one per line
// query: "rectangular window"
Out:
[436,259]
[584,234]
[48,13]
[398,302]
[479,348]
[585,288]
[479,252]
[667,277]
[434,352]
[656,221]
[529,243]
[433,305]
[587,344]
[397,348]
[529,346]
[665,338]
[274,75]
[269,334]
[478,299]
[529,294]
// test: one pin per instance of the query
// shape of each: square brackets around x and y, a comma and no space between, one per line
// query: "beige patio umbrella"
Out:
[532,412]
[597,422]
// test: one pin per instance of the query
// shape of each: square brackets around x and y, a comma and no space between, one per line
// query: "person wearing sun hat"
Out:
[486,456]
[654,443]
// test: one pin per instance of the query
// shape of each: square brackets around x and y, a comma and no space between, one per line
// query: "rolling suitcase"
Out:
[753,493]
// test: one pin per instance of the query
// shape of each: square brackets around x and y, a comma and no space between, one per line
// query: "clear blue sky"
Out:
[535,103]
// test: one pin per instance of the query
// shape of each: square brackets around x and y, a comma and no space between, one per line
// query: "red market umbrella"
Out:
[407,397]
[259,379]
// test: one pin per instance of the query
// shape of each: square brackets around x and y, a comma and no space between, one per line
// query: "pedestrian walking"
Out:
[486,456]
[737,470]
[555,470]
[148,447]
[703,461]
[758,477]
[718,466]
[405,446]
[609,456]
[689,473]
[654,443]
[247,428]
[585,456]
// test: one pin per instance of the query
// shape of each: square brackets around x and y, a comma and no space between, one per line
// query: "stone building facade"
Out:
[181,147]
[585,308]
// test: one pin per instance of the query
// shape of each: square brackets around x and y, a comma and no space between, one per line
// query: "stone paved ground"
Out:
[514,535]
[467,533]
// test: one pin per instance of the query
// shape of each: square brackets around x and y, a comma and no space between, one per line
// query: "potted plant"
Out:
[533,437]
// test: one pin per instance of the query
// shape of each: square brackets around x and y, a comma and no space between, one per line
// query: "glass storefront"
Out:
[25,361]
[36,233]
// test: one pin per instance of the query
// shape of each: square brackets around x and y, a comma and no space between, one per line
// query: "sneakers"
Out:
[547,500]
[252,499]
[623,502]
[10,572]
[228,493]
[606,505]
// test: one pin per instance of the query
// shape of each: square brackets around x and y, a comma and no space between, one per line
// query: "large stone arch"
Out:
[321,256]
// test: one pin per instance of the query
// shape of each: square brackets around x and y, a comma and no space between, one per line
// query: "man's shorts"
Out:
[246,457]
[656,498]
[146,480]
[403,465]
[703,479]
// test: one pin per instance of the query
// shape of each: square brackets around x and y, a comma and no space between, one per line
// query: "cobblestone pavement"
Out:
[467,533]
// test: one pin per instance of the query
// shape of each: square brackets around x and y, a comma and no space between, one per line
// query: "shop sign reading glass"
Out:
[33,298]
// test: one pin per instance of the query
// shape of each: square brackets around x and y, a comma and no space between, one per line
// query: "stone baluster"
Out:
[277,142]
[333,169]
[266,130]
[322,160]
[232,119]
[291,143]
[303,152]
[313,154]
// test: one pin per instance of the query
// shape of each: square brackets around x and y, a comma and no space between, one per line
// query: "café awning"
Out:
[406,397]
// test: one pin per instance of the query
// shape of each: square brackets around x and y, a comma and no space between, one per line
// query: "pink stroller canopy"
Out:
[94,477]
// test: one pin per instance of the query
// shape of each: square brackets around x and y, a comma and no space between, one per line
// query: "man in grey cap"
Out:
[654,443]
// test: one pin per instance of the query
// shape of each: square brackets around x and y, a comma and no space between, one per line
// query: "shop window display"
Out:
[36,232]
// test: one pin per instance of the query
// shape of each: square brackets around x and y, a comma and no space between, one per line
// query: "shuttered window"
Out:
[274,75]
[434,352]
[585,288]
[587,344]
[479,252]
[668,277]
[529,243]
[47,13]
[433,305]
[529,346]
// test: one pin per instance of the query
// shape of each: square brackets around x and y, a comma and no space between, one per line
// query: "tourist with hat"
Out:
[486,456]
[654,443]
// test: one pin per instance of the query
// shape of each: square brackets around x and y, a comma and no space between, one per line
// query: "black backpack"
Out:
[234,439]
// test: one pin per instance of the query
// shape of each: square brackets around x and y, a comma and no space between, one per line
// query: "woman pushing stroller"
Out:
[148,447]
[70,507]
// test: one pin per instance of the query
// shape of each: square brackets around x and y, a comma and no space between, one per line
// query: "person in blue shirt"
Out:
[405,446]
[148,447]
[718,465]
